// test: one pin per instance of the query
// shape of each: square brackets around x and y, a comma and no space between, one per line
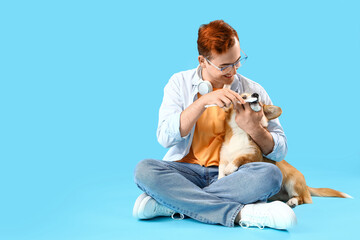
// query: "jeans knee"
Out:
[274,178]
[144,171]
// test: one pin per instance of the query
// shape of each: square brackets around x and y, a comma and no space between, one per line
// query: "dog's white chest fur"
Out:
[239,143]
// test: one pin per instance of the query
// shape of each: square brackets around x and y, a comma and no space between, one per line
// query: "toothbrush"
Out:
[249,100]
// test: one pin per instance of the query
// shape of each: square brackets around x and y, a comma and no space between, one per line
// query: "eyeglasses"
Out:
[229,67]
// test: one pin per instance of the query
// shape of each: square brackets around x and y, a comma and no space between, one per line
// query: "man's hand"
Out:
[222,98]
[250,121]
[247,119]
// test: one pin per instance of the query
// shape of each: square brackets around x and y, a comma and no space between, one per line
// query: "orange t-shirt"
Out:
[208,138]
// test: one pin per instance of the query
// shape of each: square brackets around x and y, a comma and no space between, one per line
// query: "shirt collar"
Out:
[198,78]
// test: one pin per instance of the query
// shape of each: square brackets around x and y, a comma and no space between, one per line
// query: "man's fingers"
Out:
[226,97]
[235,97]
[220,103]
[239,98]
[227,102]
[247,107]
[239,107]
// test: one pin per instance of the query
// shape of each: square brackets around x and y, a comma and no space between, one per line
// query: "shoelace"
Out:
[258,219]
[247,224]
[168,211]
[181,216]
[162,209]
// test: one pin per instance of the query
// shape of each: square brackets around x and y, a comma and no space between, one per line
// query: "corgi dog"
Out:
[238,148]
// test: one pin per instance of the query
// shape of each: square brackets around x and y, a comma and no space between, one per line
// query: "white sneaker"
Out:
[274,215]
[146,207]
[137,204]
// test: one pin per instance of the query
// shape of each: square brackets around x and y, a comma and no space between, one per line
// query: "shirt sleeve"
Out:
[168,131]
[280,142]
[280,148]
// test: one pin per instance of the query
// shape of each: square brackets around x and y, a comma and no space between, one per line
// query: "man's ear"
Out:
[202,61]
[271,111]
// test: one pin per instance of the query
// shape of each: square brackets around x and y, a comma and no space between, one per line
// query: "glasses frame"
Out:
[230,66]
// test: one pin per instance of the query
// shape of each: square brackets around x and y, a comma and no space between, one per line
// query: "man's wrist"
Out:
[263,139]
[256,130]
[202,102]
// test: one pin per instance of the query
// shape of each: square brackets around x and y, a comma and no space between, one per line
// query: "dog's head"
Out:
[270,111]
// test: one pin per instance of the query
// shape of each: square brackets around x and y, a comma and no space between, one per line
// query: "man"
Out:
[186,182]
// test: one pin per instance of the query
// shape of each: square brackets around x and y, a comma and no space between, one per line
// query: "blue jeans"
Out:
[194,190]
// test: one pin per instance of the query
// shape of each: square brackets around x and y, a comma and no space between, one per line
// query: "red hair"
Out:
[217,36]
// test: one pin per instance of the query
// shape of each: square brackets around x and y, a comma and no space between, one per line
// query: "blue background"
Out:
[82,82]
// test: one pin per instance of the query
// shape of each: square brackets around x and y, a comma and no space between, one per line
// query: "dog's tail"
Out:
[327,192]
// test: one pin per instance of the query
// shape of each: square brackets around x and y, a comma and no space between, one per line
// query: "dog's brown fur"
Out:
[294,190]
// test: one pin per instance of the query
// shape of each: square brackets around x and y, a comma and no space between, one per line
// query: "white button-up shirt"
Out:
[181,91]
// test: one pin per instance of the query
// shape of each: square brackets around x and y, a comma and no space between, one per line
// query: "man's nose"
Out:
[233,70]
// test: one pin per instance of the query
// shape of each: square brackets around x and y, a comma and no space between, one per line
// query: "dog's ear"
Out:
[271,111]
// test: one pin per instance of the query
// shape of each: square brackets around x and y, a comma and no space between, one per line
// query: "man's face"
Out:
[215,76]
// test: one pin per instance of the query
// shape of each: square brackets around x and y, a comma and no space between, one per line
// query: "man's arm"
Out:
[263,139]
[190,115]
[223,97]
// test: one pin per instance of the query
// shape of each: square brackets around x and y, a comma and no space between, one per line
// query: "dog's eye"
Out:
[244,97]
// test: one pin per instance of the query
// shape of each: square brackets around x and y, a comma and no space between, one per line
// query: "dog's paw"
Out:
[293,202]
[230,169]
[221,175]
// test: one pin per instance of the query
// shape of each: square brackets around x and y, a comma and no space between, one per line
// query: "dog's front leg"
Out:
[230,168]
[237,162]
[221,170]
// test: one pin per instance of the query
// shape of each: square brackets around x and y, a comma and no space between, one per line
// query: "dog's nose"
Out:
[255,95]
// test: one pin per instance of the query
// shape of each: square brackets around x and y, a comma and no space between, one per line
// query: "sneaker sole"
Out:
[137,204]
